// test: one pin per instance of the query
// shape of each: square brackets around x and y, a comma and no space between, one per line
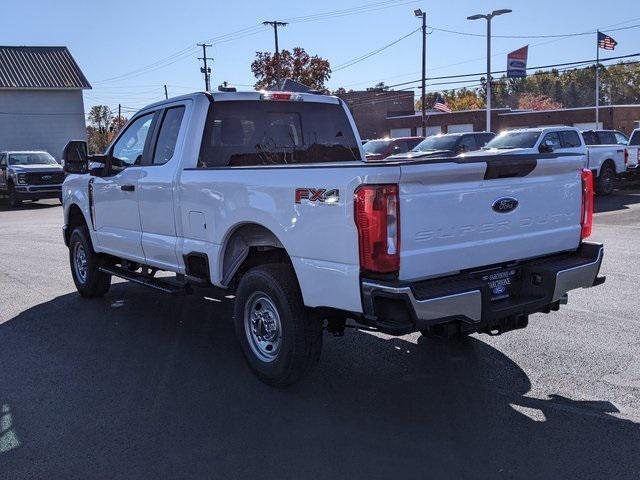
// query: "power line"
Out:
[359,59]
[563,35]
[528,68]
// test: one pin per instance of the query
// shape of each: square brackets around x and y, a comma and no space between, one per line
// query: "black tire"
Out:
[606,180]
[14,201]
[297,347]
[90,281]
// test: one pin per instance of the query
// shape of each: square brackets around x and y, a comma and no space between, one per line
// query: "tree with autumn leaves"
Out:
[103,127]
[312,71]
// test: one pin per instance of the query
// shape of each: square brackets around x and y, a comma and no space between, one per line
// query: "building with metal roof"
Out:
[41,103]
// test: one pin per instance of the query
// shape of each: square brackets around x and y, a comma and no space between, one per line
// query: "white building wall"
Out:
[41,119]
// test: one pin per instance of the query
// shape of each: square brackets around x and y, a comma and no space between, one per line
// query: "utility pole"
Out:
[488,18]
[166,94]
[275,24]
[423,97]
[597,79]
[119,113]
[206,70]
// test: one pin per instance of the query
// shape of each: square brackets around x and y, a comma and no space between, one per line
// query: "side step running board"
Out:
[166,285]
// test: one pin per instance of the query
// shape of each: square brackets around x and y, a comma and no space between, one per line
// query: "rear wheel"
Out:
[85,264]
[606,180]
[14,201]
[280,338]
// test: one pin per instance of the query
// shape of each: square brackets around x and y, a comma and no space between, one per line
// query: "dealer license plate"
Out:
[499,283]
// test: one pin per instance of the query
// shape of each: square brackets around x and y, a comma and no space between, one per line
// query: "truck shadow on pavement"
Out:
[619,200]
[43,204]
[139,385]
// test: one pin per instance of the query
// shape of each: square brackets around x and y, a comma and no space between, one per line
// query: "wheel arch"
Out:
[609,161]
[247,245]
[74,218]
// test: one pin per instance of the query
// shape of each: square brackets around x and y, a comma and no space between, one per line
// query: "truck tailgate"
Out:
[449,223]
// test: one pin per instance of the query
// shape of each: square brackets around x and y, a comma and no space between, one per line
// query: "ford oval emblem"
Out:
[505,205]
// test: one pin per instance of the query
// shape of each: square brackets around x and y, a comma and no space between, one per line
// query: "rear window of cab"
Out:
[263,133]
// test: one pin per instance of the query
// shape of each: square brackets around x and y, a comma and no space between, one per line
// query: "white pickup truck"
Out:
[607,157]
[633,153]
[268,194]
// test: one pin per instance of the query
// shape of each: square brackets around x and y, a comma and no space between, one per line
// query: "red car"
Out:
[384,147]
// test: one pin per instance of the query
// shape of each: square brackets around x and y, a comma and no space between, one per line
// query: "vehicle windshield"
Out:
[376,147]
[437,142]
[247,133]
[33,158]
[514,140]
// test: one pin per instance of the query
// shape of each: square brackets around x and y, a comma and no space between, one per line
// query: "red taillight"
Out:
[626,156]
[586,219]
[377,216]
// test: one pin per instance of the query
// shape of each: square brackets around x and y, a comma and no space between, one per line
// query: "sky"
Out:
[129,49]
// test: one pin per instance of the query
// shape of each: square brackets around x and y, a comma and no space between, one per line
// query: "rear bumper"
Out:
[36,192]
[539,285]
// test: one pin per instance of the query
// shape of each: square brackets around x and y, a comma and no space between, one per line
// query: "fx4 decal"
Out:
[318,195]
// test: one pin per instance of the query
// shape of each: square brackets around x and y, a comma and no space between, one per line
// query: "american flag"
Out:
[441,105]
[606,42]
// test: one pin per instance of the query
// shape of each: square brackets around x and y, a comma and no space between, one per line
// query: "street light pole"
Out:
[420,13]
[488,18]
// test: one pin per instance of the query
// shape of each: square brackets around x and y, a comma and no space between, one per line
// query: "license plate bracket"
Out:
[500,283]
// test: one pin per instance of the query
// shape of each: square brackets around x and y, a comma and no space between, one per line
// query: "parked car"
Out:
[447,145]
[384,147]
[268,195]
[26,175]
[633,153]
[607,157]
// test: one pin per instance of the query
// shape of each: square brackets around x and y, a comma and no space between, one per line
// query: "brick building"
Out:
[372,108]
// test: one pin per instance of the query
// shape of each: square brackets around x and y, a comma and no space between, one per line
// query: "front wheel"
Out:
[606,180]
[85,265]
[279,337]
[14,201]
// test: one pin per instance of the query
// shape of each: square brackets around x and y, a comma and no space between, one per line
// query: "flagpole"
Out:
[597,79]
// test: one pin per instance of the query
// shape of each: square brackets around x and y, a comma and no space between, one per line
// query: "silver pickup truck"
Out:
[29,176]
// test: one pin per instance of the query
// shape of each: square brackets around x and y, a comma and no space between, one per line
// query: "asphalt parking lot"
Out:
[141,385]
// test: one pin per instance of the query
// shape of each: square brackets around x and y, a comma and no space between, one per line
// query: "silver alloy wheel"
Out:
[80,262]
[262,326]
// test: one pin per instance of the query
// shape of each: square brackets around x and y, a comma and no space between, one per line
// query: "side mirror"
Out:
[545,148]
[75,157]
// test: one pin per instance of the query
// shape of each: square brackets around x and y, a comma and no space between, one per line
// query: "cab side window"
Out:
[399,147]
[570,139]
[635,139]
[129,148]
[168,136]
[553,140]
[606,138]
[3,160]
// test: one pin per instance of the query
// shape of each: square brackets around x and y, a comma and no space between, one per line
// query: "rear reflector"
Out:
[586,219]
[377,216]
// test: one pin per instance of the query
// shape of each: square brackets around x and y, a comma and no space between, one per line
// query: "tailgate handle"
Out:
[127,188]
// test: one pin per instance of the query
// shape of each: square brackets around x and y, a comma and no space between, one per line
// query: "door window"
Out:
[168,136]
[467,144]
[552,139]
[129,148]
[3,160]
[606,138]
[399,147]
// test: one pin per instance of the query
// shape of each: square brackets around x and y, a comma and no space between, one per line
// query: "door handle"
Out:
[127,188]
